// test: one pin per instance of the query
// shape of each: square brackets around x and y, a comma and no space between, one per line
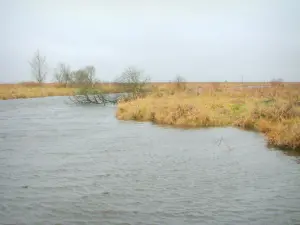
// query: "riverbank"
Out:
[20,91]
[34,90]
[273,111]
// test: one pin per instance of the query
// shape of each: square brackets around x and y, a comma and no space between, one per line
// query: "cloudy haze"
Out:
[202,40]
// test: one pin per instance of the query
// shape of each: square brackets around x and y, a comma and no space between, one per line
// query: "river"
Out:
[68,164]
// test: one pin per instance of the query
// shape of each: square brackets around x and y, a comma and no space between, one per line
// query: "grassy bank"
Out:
[15,91]
[273,111]
[34,90]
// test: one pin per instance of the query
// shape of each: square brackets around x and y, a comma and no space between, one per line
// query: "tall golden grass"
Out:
[35,90]
[274,111]
[32,90]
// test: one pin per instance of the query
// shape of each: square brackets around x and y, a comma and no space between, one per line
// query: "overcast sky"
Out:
[202,40]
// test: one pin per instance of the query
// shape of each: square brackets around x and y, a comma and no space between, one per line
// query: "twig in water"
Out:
[220,141]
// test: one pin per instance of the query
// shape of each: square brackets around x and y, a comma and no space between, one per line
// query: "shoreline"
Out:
[35,90]
[20,91]
[272,111]
[278,120]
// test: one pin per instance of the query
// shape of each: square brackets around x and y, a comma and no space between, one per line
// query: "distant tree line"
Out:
[90,89]
[132,79]
[277,82]
[85,77]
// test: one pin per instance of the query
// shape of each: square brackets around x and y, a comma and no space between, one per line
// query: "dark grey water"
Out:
[66,164]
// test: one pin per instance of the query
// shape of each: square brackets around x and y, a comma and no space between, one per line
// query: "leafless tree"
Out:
[91,74]
[62,74]
[133,81]
[85,77]
[88,93]
[38,67]
[180,83]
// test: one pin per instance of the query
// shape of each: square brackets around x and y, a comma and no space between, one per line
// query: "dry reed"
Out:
[14,91]
[35,90]
[274,111]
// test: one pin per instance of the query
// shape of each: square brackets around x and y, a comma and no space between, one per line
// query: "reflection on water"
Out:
[66,164]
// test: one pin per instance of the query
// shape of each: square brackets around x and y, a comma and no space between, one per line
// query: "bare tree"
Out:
[85,77]
[133,81]
[88,93]
[180,83]
[38,67]
[62,74]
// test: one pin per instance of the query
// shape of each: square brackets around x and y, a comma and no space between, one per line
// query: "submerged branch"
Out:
[103,99]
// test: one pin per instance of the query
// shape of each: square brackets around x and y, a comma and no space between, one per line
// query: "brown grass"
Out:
[32,90]
[35,90]
[274,111]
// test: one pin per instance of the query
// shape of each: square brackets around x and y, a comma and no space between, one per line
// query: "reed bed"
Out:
[274,111]
[15,91]
[35,90]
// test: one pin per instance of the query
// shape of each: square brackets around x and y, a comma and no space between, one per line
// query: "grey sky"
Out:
[202,40]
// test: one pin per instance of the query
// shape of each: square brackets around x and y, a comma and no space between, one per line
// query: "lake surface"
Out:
[68,164]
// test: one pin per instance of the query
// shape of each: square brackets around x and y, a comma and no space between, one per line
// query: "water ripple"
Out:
[61,164]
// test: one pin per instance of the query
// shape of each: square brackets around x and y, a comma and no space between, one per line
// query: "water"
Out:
[66,164]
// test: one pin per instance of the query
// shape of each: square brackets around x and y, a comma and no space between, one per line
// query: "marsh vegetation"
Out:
[272,108]
[274,111]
